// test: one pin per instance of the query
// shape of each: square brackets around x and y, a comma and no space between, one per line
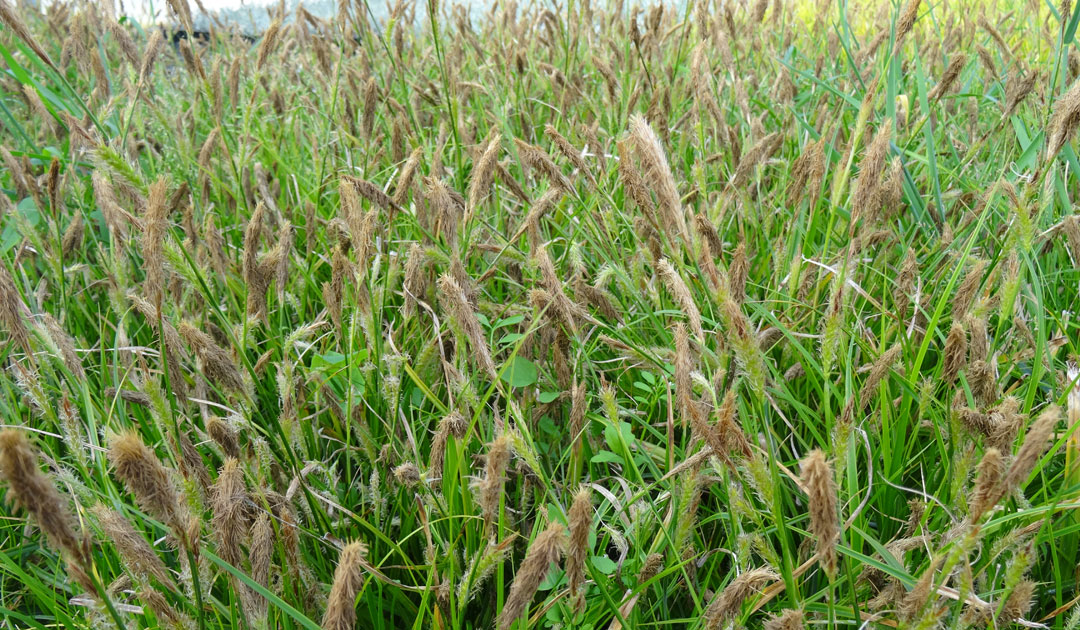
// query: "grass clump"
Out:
[600,316]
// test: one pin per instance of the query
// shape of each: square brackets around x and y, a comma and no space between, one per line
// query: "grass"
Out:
[542,316]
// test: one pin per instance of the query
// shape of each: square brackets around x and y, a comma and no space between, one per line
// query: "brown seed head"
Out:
[269,42]
[348,578]
[786,620]
[1017,88]
[406,176]
[453,298]
[985,495]
[125,42]
[407,474]
[955,352]
[230,507]
[9,17]
[1019,601]
[905,22]
[570,152]
[915,600]
[878,371]
[633,185]
[755,155]
[139,557]
[224,435]
[491,488]
[483,174]
[580,519]
[545,550]
[1035,444]
[261,554]
[658,176]
[142,473]
[807,173]
[150,54]
[13,311]
[729,431]
[538,160]
[654,562]
[817,476]
[684,365]
[866,197]
[368,190]
[371,100]
[216,362]
[73,236]
[33,491]
[1064,121]
[948,78]
[155,225]
[738,273]
[678,289]
[727,604]
[968,289]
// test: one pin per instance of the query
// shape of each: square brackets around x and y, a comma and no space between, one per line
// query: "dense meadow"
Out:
[541,315]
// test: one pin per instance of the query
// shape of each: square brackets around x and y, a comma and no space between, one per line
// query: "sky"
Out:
[240,11]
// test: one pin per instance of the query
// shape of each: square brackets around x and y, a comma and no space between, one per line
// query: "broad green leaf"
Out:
[520,372]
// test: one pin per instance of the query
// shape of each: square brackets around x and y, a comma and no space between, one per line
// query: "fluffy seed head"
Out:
[580,518]
[546,550]
[948,78]
[1017,88]
[13,310]
[1019,601]
[968,289]
[407,474]
[878,371]
[786,620]
[217,363]
[138,555]
[571,153]
[268,43]
[491,488]
[824,525]
[1064,121]
[866,197]
[915,600]
[406,176]
[654,562]
[567,310]
[261,554]
[454,299]
[348,578]
[1035,444]
[677,286]
[229,504]
[33,491]
[224,435]
[658,175]
[9,17]
[730,600]
[683,367]
[538,160]
[142,473]
[807,173]
[955,352]
[990,471]
[905,22]
[483,174]
[155,224]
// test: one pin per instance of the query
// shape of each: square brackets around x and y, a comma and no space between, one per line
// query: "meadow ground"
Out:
[565,315]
